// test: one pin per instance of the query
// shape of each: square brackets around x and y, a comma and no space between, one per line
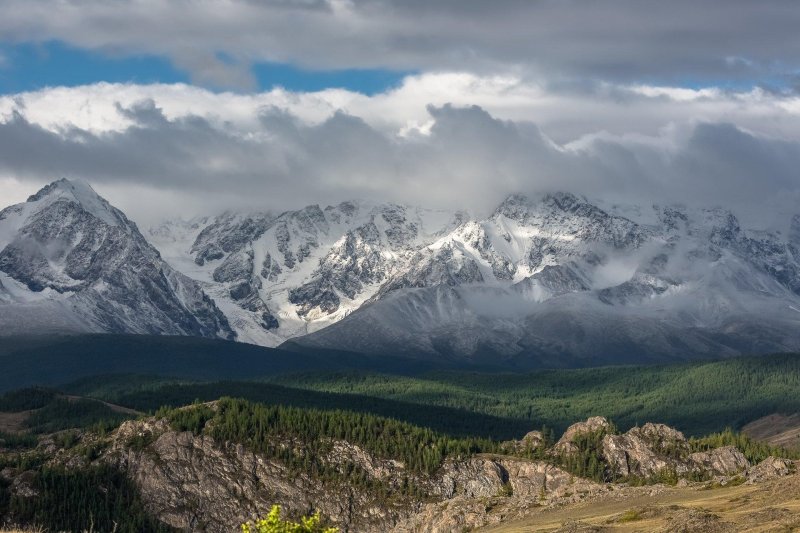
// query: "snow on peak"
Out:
[81,193]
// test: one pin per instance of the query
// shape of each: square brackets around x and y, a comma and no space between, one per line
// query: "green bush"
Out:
[273,523]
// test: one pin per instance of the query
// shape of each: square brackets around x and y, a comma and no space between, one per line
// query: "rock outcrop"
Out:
[196,483]
[656,449]
[193,482]
[724,461]
[566,444]
[770,468]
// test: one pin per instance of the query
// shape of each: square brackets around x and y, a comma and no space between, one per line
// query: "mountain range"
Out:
[554,280]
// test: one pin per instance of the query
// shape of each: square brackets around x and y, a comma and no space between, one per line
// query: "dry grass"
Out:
[13,423]
[770,506]
[776,429]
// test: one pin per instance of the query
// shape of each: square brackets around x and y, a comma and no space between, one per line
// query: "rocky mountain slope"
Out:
[554,280]
[559,281]
[280,275]
[69,261]
[192,480]
[548,281]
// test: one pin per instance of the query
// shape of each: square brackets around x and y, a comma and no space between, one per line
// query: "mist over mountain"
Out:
[553,280]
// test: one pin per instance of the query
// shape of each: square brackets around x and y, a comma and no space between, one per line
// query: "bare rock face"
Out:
[655,448]
[473,478]
[629,455]
[532,439]
[724,461]
[23,485]
[770,468]
[661,438]
[196,483]
[566,445]
[482,477]
[647,451]
[193,483]
[488,490]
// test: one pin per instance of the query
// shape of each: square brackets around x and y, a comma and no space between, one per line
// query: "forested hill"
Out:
[59,359]
[696,398]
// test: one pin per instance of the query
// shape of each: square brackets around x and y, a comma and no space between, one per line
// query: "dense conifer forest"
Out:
[696,398]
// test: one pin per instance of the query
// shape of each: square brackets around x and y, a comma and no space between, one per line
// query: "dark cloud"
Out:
[629,40]
[469,159]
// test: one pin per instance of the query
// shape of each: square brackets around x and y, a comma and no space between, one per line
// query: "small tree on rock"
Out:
[274,524]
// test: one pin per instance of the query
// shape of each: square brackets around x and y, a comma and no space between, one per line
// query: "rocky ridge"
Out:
[69,261]
[193,482]
[554,280]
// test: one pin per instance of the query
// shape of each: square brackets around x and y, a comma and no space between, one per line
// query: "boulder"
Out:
[724,461]
[662,439]
[770,468]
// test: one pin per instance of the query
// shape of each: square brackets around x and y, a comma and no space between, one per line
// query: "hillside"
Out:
[771,506]
[58,359]
[208,466]
[697,397]
[777,429]
[145,373]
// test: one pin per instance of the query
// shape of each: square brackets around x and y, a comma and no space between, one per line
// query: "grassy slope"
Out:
[771,506]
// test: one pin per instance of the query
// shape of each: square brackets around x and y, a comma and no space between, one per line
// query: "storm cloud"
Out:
[458,157]
[619,40]
[625,100]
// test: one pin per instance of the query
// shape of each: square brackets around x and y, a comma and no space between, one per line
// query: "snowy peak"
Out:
[279,276]
[68,255]
[81,193]
[554,273]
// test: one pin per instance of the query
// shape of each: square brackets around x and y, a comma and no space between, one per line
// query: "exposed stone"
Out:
[629,455]
[724,461]
[770,468]
[71,241]
[565,444]
[22,486]
[532,439]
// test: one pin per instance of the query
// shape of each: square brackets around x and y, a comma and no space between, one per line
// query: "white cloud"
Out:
[187,149]
[563,113]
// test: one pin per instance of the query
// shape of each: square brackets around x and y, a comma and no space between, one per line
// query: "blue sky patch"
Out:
[29,67]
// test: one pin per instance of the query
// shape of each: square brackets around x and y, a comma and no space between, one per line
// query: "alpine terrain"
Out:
[554,280]
[71,262]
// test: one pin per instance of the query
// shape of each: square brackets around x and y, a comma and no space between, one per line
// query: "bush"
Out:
[274,524]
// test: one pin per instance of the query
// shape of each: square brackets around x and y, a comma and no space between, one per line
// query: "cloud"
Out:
[566,112]
[174,154]
[618,41]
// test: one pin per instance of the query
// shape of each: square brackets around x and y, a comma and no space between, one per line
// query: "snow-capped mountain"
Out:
[70,262]
[555,280]
[278,276]
[559,281]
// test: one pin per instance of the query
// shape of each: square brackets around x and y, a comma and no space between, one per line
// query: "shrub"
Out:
[274,524]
